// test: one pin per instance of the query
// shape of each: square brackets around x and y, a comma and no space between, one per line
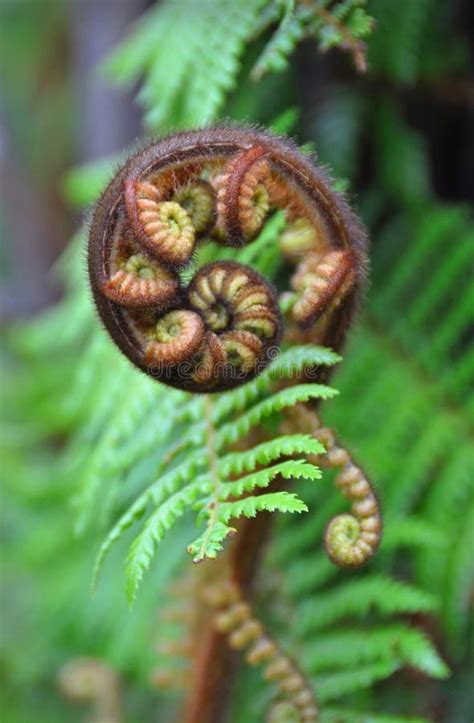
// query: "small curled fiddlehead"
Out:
[163,227]
[198,198]
[136,279]
[177,336]
[235,618]
[93,681]
[222,329]
[350,539]
[243,196]
[321,282]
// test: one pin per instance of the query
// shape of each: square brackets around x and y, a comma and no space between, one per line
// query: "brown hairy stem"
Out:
[216,663]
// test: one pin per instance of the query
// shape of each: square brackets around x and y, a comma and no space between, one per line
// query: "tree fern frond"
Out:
[209,544]
[351,648]
[229,465]
[336,685]
[341,25]
[164,487]
[144,546]
[289,33]
[356,597]
[236,463]
[188,73]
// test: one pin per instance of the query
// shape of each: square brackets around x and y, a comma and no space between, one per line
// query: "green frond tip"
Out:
[209,544]
[230,465]
[218,511]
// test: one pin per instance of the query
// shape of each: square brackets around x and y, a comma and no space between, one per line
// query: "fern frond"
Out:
[339,684]
[144,546]
[248,507]
[209,544]
[290,32]
[188,73]
[236,463]
[394,643]
[356,597]
[339,26]
[165,487]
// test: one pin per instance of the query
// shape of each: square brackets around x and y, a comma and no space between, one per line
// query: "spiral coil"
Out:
[223,327]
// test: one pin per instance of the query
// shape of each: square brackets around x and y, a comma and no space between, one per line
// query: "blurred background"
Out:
[81,82]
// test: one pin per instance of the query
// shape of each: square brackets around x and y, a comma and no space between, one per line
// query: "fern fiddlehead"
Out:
[220,184]
[350,539]
[93,681]
[244,631]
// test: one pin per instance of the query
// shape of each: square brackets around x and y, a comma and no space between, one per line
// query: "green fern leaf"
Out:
[336,685]
[248,507]
[294,469]
[295,444]
[209,544]
[232,431]
[144,546]
[356,597]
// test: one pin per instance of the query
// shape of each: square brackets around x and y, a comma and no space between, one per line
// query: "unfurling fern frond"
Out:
[180,490]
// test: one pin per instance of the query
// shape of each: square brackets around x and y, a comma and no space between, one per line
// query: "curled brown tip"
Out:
[222,183]
[243,200]
[137,280]
[178,335]
[163,227]
[321,281]
[240,307]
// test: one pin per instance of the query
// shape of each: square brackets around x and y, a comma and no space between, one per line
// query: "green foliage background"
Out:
[86,438]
